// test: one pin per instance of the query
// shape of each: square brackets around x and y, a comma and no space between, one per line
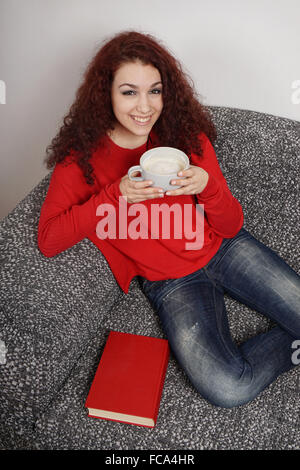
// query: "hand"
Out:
[194,182]
[137,191]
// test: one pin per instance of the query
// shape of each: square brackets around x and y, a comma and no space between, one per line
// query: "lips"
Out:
[141,120]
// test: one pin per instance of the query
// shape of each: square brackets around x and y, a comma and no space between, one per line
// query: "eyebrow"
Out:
[135,86]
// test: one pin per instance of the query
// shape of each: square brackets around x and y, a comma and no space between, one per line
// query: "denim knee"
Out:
[228,390]
[230,401]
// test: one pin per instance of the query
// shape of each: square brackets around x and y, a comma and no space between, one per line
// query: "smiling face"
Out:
[137,103]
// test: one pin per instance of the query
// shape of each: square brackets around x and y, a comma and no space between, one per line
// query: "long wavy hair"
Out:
[91,115]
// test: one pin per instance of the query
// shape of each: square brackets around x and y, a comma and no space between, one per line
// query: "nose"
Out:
[143,105]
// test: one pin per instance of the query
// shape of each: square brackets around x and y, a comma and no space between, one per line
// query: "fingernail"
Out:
[168,193]
[160,190]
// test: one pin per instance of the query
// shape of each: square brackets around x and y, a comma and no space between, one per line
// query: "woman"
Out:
[135,96]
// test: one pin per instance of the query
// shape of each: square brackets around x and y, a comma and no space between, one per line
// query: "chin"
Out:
[141,132]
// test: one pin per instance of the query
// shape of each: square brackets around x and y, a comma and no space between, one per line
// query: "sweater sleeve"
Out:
[68,213]
[222,210]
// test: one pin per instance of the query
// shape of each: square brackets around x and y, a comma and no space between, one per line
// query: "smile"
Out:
[141,120]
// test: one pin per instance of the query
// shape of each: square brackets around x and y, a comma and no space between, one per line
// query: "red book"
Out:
[129,380]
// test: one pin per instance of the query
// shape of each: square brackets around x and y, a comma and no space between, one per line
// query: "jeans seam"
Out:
[258,308]
[219,330]
[191,277]
[254,347]
[224,250]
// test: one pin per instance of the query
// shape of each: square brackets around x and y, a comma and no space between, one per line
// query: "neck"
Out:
[126,140]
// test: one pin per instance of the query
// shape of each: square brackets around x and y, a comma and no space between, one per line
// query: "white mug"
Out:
[160,165]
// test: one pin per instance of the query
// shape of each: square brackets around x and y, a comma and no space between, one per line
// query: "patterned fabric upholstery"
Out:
[56,313]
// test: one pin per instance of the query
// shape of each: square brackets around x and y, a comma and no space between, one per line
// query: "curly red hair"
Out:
[91,116]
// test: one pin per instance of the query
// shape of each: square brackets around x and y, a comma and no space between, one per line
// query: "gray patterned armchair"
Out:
[56,313]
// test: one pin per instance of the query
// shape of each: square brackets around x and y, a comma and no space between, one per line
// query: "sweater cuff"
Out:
[212,187]
[114,191]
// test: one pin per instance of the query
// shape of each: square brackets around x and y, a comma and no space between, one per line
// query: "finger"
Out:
[137,184]
[145,187]
[147,190]
[174,192]
[140,184]
[187,172]
[155,195]
[142,194]
[182,182]
[143,197]
[191,189]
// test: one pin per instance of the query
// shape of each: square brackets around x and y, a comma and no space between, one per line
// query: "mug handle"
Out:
[131,170]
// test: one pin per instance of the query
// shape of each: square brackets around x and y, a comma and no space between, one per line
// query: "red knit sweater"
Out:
[69,214]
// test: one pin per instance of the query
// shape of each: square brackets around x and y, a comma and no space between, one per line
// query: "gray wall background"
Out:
[240,53]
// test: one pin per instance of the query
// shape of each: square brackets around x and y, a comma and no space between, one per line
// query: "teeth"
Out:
[141,119]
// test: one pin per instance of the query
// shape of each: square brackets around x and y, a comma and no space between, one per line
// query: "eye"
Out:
[156,91]
[128,93]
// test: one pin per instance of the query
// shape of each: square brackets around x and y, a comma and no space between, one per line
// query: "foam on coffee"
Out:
[163,165]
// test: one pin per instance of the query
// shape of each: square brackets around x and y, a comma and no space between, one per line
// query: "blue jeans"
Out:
[193,316]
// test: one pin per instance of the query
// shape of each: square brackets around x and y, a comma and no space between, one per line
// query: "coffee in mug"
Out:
[161,165]
[164,165]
